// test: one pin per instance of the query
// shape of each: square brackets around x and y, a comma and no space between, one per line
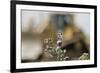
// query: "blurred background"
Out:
[39,36]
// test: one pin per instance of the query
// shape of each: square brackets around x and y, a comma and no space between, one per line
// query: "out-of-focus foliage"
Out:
[84,56]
